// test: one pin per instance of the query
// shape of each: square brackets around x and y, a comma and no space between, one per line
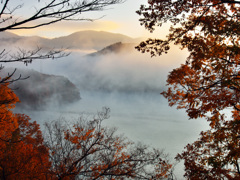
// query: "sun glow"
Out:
[66,28]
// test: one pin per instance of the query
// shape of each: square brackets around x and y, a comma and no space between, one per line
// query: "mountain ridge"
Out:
[115,48]
[91,39]
[84,40]
[39,90]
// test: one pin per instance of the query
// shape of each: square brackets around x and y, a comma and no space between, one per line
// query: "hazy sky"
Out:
[120,18]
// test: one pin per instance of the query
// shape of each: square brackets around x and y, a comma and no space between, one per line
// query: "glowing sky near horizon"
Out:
[119,18]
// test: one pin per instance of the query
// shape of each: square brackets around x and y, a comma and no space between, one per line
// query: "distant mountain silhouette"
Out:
[10,40]
[90,40]
[83,40]
[115,48]
[7,35]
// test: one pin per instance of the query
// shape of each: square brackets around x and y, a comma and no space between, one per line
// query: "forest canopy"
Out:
[207,85]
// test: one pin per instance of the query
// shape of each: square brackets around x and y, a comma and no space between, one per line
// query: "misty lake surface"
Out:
[130,86]
[140,117]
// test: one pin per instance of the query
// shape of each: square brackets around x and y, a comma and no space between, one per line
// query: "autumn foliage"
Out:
[22,153]
[87,150]
[83,150]
[215,155]
[8,123]
[208,84]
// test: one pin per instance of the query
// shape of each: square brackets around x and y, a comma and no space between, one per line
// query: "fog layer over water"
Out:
[129,84]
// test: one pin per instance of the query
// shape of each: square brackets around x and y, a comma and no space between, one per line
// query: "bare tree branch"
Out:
[49,12]
[87,150]
[56,11]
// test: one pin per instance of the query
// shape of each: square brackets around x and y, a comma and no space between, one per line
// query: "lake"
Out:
[130,85]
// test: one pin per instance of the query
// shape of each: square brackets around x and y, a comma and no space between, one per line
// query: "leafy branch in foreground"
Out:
[22,152]
[208,84]
[82,150]
[87,150]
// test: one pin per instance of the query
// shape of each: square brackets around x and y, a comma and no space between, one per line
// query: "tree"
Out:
[46,13]
[215,155]
[7,102]
[208,83]
[209,79]
[84,150]
[22,153]
[87,150]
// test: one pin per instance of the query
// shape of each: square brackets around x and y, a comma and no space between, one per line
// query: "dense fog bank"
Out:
[127,82]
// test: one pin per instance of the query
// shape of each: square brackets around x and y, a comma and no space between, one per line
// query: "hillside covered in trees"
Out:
[39,90]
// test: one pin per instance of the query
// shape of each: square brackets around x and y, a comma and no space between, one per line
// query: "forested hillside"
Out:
[40,90]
